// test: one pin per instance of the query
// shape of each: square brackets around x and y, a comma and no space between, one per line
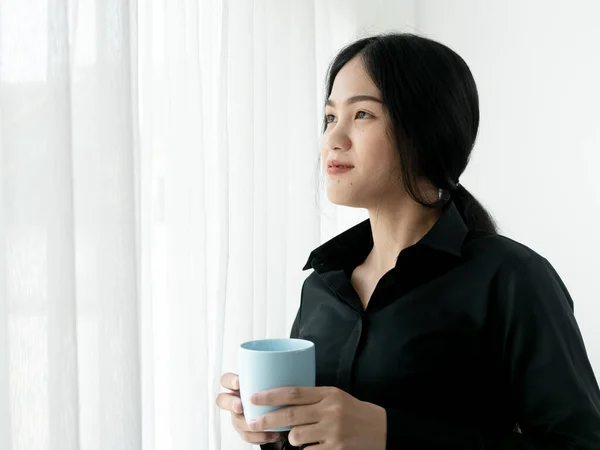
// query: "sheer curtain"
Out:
[158,196]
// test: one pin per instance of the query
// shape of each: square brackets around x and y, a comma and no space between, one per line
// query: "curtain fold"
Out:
[158,175]
[55,324]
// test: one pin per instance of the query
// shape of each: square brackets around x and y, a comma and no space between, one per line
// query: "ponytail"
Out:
[472,212]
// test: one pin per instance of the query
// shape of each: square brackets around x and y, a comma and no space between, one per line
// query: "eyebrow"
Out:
[356,99]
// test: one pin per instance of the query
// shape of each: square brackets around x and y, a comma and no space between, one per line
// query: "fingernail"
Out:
[253,424]
[254,398]
[238,408]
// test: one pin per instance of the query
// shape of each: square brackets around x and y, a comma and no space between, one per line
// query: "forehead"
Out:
[353,79]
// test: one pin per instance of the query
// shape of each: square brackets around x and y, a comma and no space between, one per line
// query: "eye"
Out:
[363,115]
[329,118]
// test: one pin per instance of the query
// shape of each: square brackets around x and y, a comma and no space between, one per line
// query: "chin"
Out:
[343,199]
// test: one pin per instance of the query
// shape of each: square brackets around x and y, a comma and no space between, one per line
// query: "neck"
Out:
[396,226]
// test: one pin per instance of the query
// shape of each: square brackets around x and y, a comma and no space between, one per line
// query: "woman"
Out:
[431,330]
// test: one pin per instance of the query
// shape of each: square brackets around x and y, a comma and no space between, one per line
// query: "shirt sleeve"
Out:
[554,393]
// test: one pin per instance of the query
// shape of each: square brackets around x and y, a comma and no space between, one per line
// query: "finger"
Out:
[307,435]
[285,417]
[230,381]
[288,396]
[260,438]
[229,402]
[239,423]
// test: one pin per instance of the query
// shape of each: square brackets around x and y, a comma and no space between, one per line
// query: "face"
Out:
[358,138]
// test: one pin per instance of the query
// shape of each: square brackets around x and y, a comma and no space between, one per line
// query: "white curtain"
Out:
[157,204]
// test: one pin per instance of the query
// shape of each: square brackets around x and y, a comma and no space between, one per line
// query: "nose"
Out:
[336,138]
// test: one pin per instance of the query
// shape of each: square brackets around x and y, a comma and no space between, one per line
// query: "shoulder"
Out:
[500,251]
[510,263]
[518,272]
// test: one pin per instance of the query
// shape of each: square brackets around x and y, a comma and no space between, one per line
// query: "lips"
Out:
[339,164]
[338,168]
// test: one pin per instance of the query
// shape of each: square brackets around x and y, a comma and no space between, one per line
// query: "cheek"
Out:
[380,157]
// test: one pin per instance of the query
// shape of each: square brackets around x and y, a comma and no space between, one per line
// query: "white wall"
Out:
[536,162]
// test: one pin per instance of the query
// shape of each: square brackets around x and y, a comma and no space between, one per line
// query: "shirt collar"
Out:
[353,245]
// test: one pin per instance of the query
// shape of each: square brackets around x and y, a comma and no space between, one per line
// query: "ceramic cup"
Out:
[273,363]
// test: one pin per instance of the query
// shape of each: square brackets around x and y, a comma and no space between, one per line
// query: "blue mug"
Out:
[273,363]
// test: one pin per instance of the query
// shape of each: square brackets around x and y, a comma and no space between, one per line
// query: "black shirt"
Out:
[469,339]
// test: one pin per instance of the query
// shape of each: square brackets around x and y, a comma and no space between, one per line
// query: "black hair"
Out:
[433,105]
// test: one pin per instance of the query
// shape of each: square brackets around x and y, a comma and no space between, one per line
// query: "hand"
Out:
[230,401]
[326,415]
